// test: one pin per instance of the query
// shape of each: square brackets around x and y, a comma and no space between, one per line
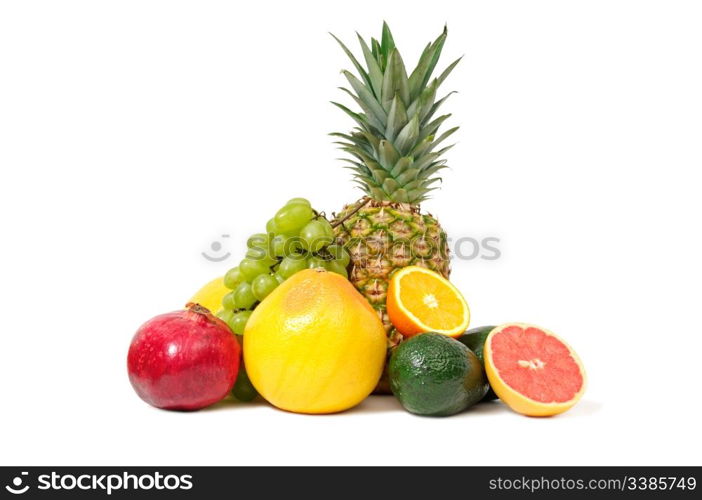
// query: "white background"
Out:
[134,133]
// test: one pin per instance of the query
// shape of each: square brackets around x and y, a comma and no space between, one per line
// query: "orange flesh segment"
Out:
[431,301]
[536,364]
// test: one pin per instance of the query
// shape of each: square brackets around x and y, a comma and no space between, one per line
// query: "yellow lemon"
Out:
[314,345]
[210,295]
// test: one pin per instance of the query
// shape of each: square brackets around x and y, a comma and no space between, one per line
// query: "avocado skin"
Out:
[434,375]
[474,339]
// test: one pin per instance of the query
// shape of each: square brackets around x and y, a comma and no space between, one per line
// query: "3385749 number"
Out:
[661,483]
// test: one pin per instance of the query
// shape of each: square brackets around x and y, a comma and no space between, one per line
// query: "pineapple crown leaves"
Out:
[393,147]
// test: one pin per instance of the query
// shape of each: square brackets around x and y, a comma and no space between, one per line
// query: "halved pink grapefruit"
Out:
[532,370]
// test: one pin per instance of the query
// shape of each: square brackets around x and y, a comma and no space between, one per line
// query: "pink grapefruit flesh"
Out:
[532,370]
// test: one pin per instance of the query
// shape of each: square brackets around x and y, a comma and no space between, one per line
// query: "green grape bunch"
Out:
[296,238]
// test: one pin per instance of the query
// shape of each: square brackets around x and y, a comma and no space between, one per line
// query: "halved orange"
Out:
[420,300]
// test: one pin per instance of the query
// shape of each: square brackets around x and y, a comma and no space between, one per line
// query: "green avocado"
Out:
[434,375]
[474,339]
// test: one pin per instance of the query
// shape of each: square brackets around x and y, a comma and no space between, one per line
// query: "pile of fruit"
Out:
[319,314]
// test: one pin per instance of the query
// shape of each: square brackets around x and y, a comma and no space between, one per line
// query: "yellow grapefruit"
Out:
[314,345]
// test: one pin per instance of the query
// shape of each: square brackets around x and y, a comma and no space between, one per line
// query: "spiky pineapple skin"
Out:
[383,236]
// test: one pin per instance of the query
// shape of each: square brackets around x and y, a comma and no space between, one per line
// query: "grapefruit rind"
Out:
[517,401]
[314,345]
[410,325]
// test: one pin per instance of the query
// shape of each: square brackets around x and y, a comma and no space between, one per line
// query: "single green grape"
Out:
[238,322]
[314,262]
[228,301]
[271,227]
[339,253]
[301,201]
[243,388]
[261,255]
[314,236]
[328,229]
[262,285]
[244,297]
[291,265]
[258,240]
[225,315]
[293,217]
[251,268]
[278,245]
[282,245]
[335,266]
[233,278]
[292,234]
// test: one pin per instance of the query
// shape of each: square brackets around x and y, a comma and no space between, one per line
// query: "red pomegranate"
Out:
[183,360]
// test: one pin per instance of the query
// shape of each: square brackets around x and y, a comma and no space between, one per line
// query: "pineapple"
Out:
[395,159]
